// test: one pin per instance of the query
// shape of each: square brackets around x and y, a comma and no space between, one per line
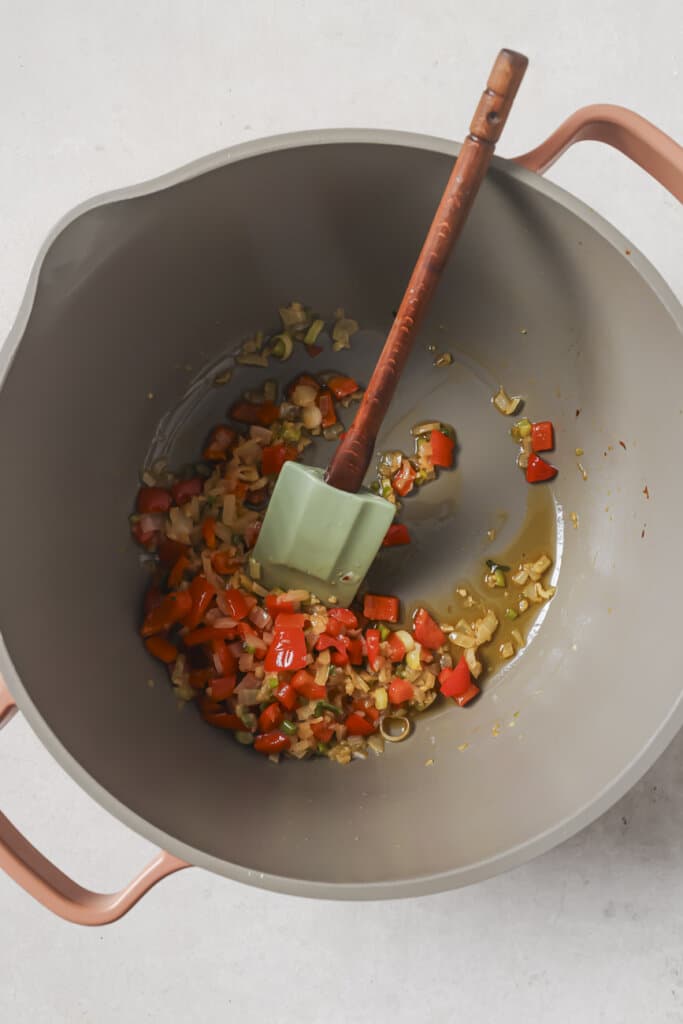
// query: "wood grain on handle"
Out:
[352,458]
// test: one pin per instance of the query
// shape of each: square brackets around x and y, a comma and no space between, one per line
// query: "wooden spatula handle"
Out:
[351,459]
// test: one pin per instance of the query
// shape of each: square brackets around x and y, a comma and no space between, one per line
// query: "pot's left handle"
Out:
[55,890]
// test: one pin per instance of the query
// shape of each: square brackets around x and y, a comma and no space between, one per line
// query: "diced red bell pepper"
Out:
[244,412]
[268,413]
[184,490]
[396,534]
[270,717]
[272,743]
[468,695]
[161,648]
[345,616]
[335,628]
[286,694]
[400,690]
[442,447]
[456,681]
[325,403]
[426,631]
[337,642]
[199,677]
[289,620]
[396,647]
[169,551]
[201,594]
[355,651]
[384,609]
[153,500]
[305,685]
[403,480]
[367,706]
[342,387]
[175,576]
[356,725]
[275,456]
[222,687]
[236,603]
[219,442]
[538,470]
[276,604]
[172,609]
[209,532]
[322,731]
[287,652]
[372,647]
[223,720]
[542,436]
[224,563]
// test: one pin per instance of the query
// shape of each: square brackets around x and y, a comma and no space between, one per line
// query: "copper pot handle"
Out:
[637,138]
[55,890]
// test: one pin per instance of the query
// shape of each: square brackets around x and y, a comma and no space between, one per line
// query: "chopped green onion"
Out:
[272,682]
[289,728]
[384,631]
[324,705]
[374,486]
[494,566]
[322,748]
[510,613]
[245,738]
[283,346]
[521,429]
[249,648]
[313,331]
[499,577]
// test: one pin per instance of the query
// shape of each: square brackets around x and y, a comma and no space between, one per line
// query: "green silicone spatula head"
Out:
[321,533]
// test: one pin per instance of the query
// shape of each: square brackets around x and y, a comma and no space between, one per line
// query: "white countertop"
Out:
[95,96]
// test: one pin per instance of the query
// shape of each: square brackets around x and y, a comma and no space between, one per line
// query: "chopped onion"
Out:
[246,663]
[260,434]
[311,417]
[303,395]
[425,428]
[473,664]
[333,432]
[503,403]
[260,617]
[229,509]
[247,697]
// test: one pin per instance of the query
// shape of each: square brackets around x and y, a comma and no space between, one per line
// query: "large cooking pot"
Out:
[541,295]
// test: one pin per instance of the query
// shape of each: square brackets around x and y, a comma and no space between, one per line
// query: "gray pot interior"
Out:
[133,292]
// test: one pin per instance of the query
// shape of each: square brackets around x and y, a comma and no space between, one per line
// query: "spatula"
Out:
[322,531]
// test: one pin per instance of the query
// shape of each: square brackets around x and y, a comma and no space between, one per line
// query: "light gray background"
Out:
[94,96]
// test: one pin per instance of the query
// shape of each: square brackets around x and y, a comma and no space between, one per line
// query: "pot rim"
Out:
[424,884]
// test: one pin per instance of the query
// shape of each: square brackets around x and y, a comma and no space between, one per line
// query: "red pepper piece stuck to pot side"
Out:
[442,447]
[395,535]
[376,606]
[542,436]
[538,470]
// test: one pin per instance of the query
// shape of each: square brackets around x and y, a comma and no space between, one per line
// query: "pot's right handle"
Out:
[640,140]
[55,890]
